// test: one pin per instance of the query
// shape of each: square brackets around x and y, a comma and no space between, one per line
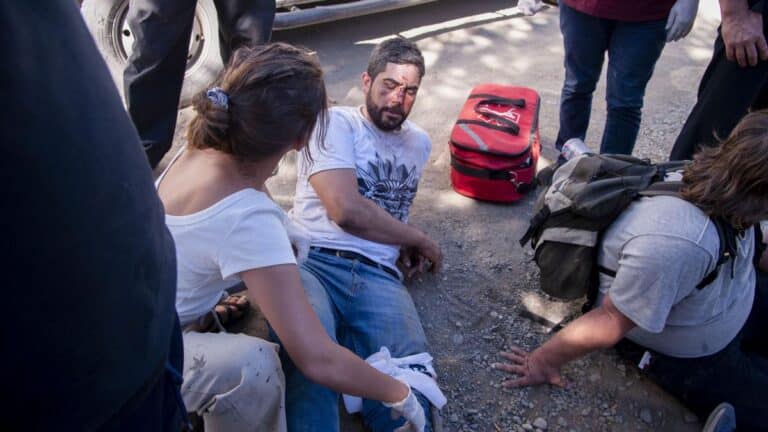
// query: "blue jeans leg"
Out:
[310,407]
[585,40]
[633,51]
[374,310]
[379,312]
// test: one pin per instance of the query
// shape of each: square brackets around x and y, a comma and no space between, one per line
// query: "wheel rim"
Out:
[122,36]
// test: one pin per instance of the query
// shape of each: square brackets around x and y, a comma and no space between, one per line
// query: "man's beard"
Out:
[378,117]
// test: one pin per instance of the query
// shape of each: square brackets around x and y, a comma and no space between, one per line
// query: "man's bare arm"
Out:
[601,327]
[361,217]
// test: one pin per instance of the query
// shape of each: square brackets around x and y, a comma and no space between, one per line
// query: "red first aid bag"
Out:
[495,143]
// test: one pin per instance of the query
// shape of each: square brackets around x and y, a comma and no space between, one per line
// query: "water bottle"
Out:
[574,147]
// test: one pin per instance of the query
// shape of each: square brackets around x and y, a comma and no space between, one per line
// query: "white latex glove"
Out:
[681,18]
[411,409]
[299,238]
[529,7]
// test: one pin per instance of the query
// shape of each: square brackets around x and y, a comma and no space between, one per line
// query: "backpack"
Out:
[579,201]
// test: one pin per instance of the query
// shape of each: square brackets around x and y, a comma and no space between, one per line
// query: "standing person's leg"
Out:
[585,40]
[243,23]
[379,312]
[234,381]
[726,92]
[311,407]
[633,51]
[155,71]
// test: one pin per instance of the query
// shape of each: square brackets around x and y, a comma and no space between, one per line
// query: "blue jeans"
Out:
[363,308]
[633,48]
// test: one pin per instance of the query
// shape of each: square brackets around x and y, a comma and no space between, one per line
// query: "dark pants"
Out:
[155,71]
[738,374]
[90,333]
[726,92]
[633,49]
[158,407]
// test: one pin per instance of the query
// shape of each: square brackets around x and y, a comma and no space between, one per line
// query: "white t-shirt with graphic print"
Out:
[388,166]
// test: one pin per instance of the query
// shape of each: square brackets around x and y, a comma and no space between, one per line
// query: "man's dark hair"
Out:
[398,50]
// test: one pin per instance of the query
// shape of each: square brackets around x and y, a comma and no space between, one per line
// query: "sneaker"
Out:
[722,419]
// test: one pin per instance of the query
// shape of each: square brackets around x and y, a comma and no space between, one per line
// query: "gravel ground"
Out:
[476,306]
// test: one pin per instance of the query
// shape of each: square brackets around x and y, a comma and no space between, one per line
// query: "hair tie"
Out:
[218,97]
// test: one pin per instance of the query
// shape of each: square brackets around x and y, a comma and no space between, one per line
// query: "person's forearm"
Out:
[346,373]
[733,7]
[367,220]
[597,329]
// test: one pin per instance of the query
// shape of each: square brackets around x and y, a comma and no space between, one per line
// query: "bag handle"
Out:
[488,98]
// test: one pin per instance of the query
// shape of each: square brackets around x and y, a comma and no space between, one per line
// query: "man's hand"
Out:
[430,250]
[681,18]
[531,368]
[743,37]
[412,263]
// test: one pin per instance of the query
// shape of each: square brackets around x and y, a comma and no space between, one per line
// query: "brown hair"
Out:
[275,98]
[398,50]
[731,180]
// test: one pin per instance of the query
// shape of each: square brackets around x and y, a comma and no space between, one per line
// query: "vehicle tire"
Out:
[106,21]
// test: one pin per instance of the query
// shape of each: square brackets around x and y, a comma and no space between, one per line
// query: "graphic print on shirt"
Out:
[390,185]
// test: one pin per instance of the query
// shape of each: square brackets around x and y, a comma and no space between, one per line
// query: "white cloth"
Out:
[388,166]
[243,231]
[663,247]
[415,370]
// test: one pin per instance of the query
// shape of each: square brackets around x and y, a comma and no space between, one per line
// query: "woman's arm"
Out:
[280,296]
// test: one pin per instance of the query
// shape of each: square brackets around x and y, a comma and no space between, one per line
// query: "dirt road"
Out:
[473,308]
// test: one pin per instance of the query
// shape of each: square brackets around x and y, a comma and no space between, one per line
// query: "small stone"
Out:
[646,415]
[562,422]
[471,411]
[527,426]
[585,412]
[453,418]
[594,377]
[494,314]
[458,339]
[459,324]
[540,423]
[517,419]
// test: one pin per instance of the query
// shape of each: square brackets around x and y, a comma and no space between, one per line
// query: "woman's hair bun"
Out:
[210,127]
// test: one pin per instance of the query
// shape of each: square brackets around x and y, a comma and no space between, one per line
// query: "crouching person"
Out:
[227,230]
[705,344]
[353,201]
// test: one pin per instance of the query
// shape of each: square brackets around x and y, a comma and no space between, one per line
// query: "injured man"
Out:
[352,198]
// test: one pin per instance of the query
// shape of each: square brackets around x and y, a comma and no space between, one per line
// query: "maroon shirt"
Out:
[623,10]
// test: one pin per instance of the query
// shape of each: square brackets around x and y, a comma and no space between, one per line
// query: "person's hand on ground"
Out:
[681,19]
[743,37]
[531,369]
[411,409]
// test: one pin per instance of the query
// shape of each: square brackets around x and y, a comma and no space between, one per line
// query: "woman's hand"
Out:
[411,409]
[531,368]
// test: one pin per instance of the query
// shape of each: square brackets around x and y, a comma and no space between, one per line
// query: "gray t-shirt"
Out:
[663,247]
